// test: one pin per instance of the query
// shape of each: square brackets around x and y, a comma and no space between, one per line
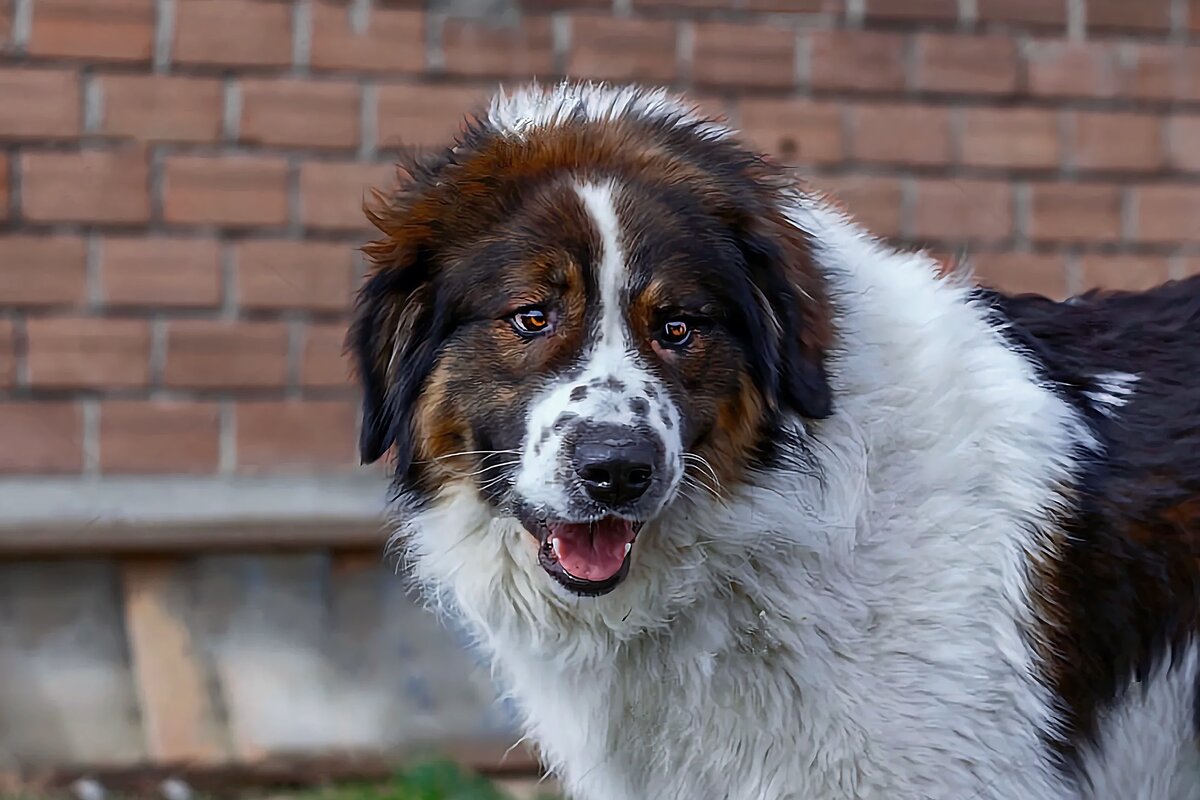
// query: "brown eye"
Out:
[531,321]
[676,333]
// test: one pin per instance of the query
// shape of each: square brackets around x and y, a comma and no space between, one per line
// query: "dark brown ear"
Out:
[394,339]
[797,332]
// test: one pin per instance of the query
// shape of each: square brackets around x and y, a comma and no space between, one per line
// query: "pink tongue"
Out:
[592,552]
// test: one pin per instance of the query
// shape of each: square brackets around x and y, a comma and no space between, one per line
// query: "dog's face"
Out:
[578,321]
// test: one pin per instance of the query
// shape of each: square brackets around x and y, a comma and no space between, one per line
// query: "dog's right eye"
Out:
[531,322]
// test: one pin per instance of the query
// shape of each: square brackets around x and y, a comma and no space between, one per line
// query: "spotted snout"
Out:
[601,446]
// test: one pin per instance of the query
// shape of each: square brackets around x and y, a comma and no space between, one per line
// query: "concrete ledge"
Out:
[77,516]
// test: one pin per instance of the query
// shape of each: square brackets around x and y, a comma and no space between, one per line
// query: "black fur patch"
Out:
[1127,588]
[611,383]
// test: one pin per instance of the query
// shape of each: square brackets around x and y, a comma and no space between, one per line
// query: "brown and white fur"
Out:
[893,536]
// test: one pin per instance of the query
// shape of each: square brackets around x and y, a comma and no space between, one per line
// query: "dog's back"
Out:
[1125,596]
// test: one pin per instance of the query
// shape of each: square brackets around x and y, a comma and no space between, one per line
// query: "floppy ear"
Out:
[797,333]
[395,338]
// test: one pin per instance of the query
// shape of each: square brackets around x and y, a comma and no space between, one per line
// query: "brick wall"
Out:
[180,180]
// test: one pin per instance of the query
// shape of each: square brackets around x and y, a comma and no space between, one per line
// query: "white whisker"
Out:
[490,467]
[470,453]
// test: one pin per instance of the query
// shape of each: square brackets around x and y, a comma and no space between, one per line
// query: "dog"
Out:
[743,503]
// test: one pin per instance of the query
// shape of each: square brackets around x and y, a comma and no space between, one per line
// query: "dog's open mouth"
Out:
[588,558]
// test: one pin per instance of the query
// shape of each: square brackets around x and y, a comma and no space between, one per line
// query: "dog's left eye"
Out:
[676,333]
[530,321]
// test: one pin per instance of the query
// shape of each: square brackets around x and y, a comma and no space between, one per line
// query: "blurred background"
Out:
[191,571]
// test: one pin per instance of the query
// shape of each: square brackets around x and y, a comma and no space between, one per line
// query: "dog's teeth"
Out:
[554,546]
[628,547]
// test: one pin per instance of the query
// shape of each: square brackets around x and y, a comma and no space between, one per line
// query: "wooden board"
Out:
[179,721]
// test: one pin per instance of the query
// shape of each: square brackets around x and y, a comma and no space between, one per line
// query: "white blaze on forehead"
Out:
[614,386]
[611,271]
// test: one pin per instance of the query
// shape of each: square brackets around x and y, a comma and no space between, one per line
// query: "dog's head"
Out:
[591,300]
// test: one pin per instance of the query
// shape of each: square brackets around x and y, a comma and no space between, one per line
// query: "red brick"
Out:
[794,6]
[1188,74]
[1112,141]
[1122,272]
[481,48]
[90,186]
[160,272]
[1076,212]
[1194,15]
[963,209]
[1057,68]
[301,113]
[916,10]
[394,40]
[326,364]
[332,194]
[567,5]
[219,354]
[119,30]
[4,177]
[1034,12]
[8,353]
[966,64]
[618,49]
[423,115]
[42,437]
[1124,15]
[42,270]
[728,54]
[1184,142]
[874,202]
[1009,137]
[88,353]
[798,131]
[39,103]
[1168,213]
[162,107]
[857,60]
[1022,272]
[298,435]
[1153,73]
[241,32]
[225,190]
[674,5]
[1163,72]
[148,437]
[902,134]
[279,274]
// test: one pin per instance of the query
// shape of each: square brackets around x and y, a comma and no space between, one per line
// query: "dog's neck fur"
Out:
[864,610]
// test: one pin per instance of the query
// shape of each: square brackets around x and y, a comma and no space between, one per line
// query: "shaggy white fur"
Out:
[850,625]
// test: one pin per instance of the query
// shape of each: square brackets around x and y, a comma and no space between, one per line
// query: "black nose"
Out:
[616,465]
